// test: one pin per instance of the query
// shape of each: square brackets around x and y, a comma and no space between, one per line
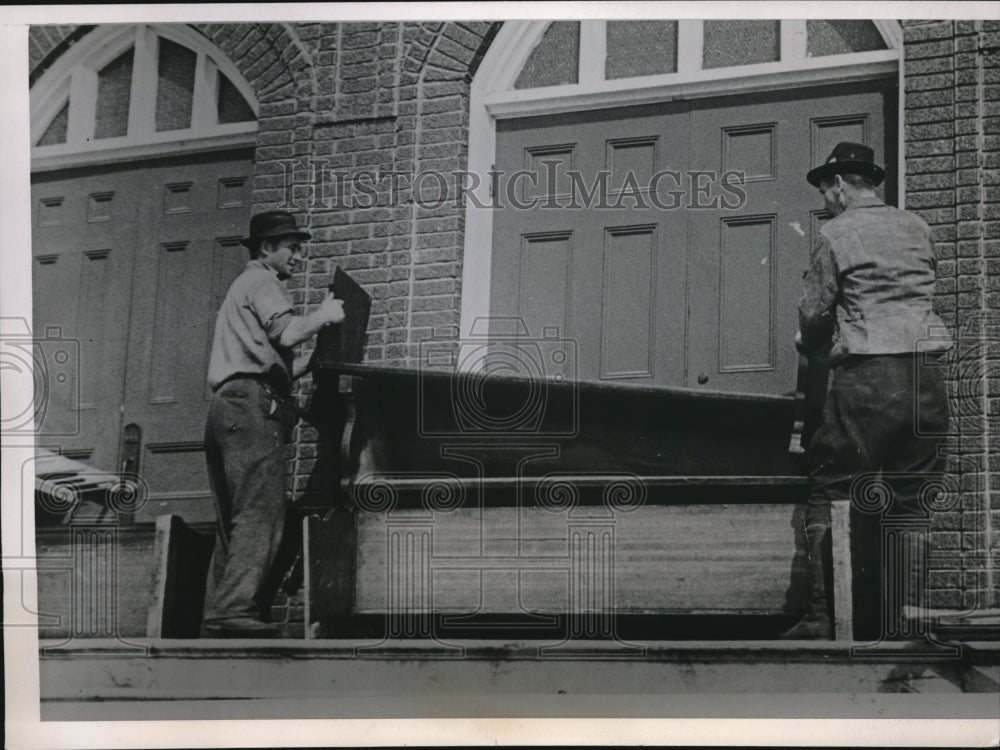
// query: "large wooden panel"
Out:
[679,559]
[94,581]
[423,419]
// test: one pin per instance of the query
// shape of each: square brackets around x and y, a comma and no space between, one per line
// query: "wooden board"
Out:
[345,342]
[181,558]
[666,559]
[94,582]
[329,574]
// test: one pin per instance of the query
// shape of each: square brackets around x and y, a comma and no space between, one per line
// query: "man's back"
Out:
[885,264]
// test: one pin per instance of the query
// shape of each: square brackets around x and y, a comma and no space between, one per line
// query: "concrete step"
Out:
[100,678]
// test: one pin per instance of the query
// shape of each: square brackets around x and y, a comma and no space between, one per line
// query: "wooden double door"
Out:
[130,264]
[668,241]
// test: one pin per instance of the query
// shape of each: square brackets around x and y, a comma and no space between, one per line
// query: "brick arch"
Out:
[270,56]
[447,51]
[47,43]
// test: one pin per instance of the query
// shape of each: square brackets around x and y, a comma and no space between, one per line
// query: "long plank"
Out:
[654,559]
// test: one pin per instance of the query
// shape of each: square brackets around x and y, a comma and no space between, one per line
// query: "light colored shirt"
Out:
[256,310]
[870,285]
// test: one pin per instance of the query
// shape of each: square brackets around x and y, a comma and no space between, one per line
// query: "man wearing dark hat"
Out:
[250,371]
[869,290]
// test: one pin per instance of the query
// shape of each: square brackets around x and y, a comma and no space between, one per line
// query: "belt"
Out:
[269,384]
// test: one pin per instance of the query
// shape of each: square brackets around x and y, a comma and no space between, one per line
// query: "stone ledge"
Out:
[827,652]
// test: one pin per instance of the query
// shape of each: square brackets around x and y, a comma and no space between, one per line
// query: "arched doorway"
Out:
[142,167]
[649,198]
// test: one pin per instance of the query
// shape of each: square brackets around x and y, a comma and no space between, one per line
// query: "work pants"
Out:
[878,447]
[245,439]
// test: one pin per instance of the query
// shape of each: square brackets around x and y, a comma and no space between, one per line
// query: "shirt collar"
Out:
[257,263]
[869,202]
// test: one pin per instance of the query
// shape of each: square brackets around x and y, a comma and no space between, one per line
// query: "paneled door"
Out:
[746,263]
[668,241]
[579,246]
[166,232]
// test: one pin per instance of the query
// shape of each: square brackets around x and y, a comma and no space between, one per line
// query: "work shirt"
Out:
[870,285]
[256,310]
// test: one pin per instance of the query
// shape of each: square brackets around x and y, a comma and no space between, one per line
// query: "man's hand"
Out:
[799,346]
[331,310]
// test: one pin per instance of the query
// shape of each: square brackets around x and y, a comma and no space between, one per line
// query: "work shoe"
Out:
[812,626]
[238,627]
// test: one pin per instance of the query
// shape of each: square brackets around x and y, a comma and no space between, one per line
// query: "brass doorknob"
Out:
[702,378]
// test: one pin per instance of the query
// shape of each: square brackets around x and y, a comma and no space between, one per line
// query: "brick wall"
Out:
[391,103]
[952,101]
[393,97]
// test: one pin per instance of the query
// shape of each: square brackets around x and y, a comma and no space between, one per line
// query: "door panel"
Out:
[195,214]
[638,250]
[83,239]
[600,264]
[138,274]
[747,262]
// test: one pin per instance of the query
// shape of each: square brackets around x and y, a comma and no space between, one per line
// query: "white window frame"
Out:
[493,97]
[75,75]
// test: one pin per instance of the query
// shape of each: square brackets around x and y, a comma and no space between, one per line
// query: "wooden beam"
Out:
[840,534]
[329,564]
[181,557]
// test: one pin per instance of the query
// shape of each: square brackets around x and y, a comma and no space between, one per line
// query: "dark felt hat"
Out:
[848,158]
[271,224]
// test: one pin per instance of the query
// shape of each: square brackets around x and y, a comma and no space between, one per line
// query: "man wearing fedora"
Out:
[250,371]
[869,292]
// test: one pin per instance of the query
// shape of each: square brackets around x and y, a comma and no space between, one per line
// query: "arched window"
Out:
[616,50]
[137,91]
[608,60]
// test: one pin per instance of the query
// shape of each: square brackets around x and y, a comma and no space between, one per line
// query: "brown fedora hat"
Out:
[848,158]
[271,224]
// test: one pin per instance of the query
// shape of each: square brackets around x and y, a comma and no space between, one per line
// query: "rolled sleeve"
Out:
[816,308]
[273,307]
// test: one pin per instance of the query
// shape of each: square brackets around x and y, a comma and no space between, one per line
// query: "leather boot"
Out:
[817,623]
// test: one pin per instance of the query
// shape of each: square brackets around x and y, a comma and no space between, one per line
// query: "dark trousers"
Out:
[883,423]
[245,447]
